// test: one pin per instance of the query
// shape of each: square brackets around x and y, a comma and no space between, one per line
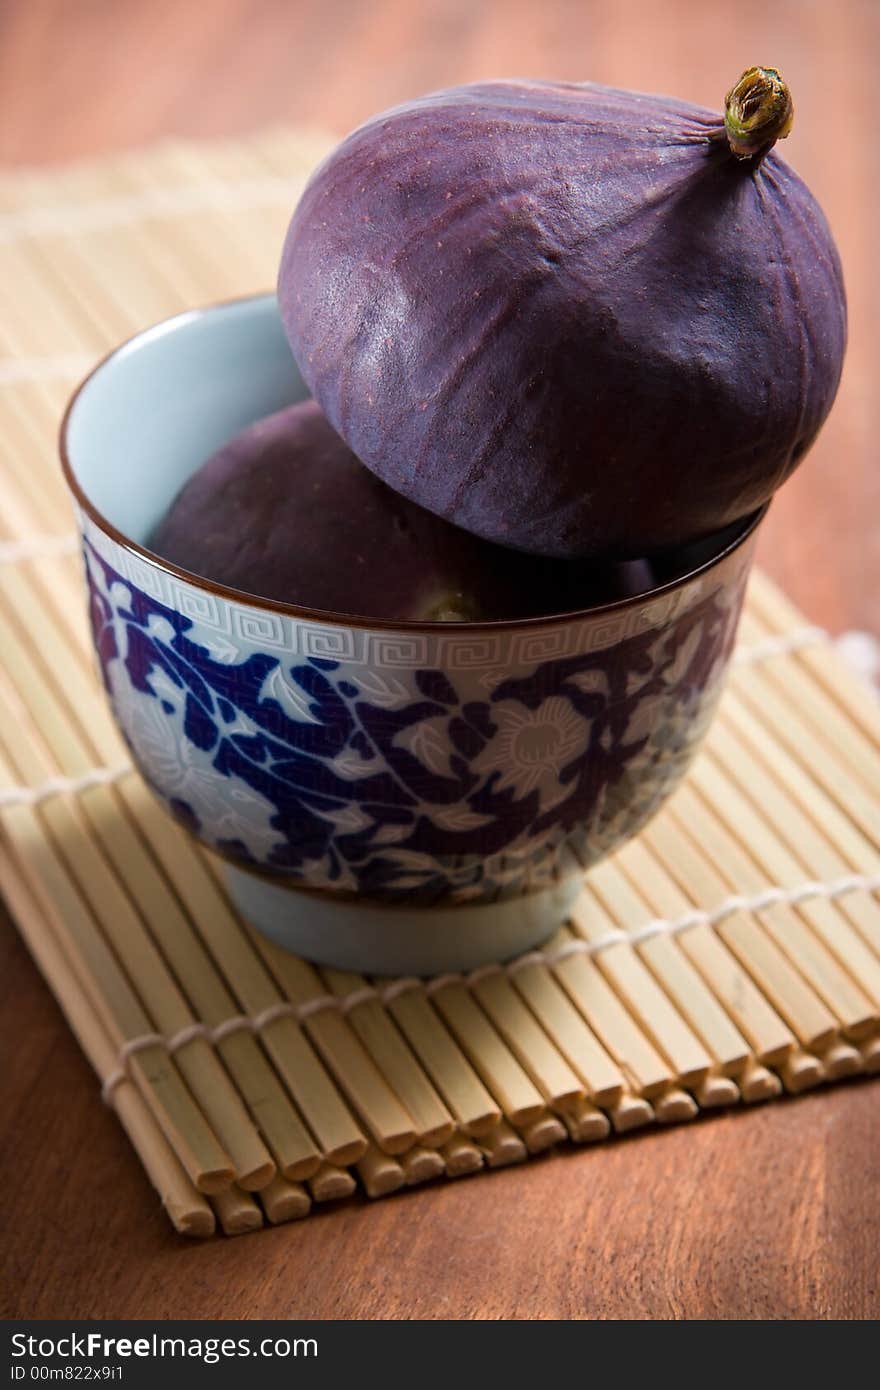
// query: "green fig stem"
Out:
[758,111]
[451,607]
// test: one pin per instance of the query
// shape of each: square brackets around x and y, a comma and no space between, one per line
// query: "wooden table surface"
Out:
[770,1213]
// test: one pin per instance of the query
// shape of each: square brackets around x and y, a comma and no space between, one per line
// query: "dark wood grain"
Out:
[771,1213]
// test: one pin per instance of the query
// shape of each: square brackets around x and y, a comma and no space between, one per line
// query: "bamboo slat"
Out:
[285,1201]
[638,1060]
[528,1042]
[515,1092]
[602,1078]
[388,1049]
[769,1037]
[828,724]
[502,1146]
[668,962]
[774,946]
[825,667]
[237,1212]
[389,1123]
[422,1165]
[622,967]
[461,1156]
[832,951]
[467,1099]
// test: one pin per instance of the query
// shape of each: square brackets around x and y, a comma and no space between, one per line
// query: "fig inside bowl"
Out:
[389,796]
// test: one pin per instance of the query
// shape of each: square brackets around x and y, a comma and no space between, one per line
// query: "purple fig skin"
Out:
[564,317]
[285,511]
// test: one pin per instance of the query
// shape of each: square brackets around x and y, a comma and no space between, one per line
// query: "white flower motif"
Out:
[531,747]
[227,807]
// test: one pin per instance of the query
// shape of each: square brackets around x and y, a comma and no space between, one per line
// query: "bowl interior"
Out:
[168,399]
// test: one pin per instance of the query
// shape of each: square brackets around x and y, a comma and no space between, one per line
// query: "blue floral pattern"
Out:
[413,783]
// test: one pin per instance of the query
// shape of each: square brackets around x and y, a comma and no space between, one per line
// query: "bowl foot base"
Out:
[378,940]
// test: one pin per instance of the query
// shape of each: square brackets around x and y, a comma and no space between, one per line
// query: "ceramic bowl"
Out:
[389,797]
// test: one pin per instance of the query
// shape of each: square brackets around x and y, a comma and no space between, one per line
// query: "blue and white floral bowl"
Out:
[391,797]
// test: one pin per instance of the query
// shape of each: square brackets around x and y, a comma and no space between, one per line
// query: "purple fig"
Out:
[573,320]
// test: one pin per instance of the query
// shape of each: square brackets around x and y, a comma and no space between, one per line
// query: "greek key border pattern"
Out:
[222,623]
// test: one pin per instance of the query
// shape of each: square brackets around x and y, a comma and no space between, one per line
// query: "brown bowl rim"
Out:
[328,616]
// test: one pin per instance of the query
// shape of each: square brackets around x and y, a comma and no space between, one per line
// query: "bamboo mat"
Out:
[729,954]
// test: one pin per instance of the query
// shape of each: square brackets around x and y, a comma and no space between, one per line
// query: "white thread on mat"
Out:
[238,1023]
[38,548]
[59,786]
[782,645]
[386,994]
[861,651]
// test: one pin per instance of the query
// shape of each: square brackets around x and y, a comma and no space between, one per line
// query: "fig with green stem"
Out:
[573,320]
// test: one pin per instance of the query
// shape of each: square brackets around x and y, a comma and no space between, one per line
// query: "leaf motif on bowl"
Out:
[351,765]
[404,881]
[349,818]
[160,629]
[294,702]
[412,859]
[459,818]
[429,742]
[676,669]
[119,594]
[385,691]
[593,682]
[391,834]
[221,649]
[328,872]
[226,807]
[643,719]
[489,679]
[243,817]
